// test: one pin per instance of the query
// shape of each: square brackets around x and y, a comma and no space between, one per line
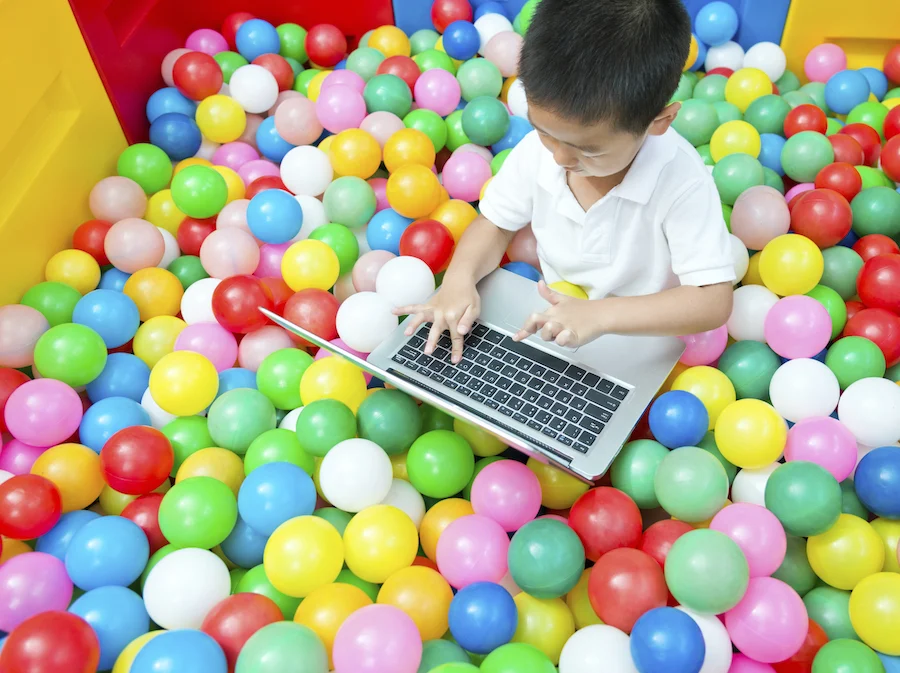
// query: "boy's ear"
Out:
[664,119]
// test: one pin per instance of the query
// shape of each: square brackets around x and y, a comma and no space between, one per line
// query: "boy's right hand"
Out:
[453,308]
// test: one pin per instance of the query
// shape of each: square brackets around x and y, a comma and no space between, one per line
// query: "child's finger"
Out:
[548,295]
[534,322]
[437,328]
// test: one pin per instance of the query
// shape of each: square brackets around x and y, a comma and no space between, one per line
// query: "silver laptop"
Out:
[572,407]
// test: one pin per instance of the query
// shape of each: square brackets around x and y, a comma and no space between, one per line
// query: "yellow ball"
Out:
[456,215]
[162,211]
[75,469]
[191,161]
[233,181]
[889,532]
[693,53]
[310,264]
[580,604]
[752,276]
[157,292]
[559,490]
[891,103]
[707,522]
[398,463]
[355,152]
[875,612]
[745,86]
[846,553]
[568,289]
[13,548]
[112,502]
[129,654]
[221,118]
[437,519]
[408,146]
[735,137]
[413,191]
[751,434]
[507,84]
[544,624]
[484,188]
[184,383]
[315,85]
[791,264]
[379,541]
[711,386]
[75,268]
[220,464]
[333,378]
[156,338]
[325,145]
[302,555]
[390,41]
[325,609]
[483,443]
[424,595]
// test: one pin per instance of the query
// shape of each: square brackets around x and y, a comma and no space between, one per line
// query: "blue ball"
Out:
[702,51]
[770,152]
[845,90]
[125,375]
[666,640]
[850,239]
[271,145]
[256,37]
[236,377]
[113,279]
[177,135]
[181,651]
[385,229]
[878,81]
[113,315]
[106,417]
[519,127]
[274,216]
[244,546]
[56,541]
[117,616]
[274,493]
[716,23]
[877,481]
[490,7]
[891,664]
[169,99]
[678,418]
[461,40]
[523,269]
[483,616]
[109,551]
[340,65]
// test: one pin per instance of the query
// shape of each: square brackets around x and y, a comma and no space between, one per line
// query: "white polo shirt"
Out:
[661,227]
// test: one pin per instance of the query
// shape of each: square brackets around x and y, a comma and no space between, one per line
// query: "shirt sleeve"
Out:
[698,239]
[509,198]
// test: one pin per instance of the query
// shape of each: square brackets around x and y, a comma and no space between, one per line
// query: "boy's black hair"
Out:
[616,61]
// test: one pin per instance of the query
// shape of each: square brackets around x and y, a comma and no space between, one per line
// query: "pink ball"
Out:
[555,517]
[770,623]
[472,549]
[249,134]
[270,256]
[322,353]
[704,348]
[824,441]
[32,583]
[134,244]
[20,328]
[366,269]
[438,90]
[507,492]
[43,412]
[824,61]
[503,51]
[742,664]
[212,341]
[258,345]
[757,532]
[168,64]
[207,40]
[234,215]
[760,214]
[296,121]
[116,198]
[340,108]
[378,639]
[283,97]
[17,457]
[797,189]
[257,169]
[379,186]
[229,252]
[382,125]
[797,327]
[234,155]
[344,78]
[465,174]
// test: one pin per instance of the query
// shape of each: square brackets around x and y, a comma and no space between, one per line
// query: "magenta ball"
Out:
[43,412]
[507,492]
[770,623]
[757,532]
[340,108]
[206,40]
[210,340]
[32,583]
[257,169]
[704,348]
[344,78]
[824,441]
[229,252]
[379,186]
[742,664]
[473,549]
[465,174]
[17,457]
[378,639]
[234,155]
[798,189]
[438,90]
[270,256]
[797,327]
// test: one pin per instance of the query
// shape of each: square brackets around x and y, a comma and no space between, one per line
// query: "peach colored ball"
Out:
[523,248]
[282,97]
[168,64]
[249,134]
[367,267]
[760,214]
[483,152]
[343,288]
[256,346]
[117,198]
[296,121]
[20,328]
[503,51]
[382,125]
[229,252]
[234,216]
[133,244]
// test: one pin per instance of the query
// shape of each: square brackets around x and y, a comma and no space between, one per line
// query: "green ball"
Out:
[296,66]
[735,174]
[229,61]
[893,373]
[279,374]
[391,419]
[798,98]
[423,40]
[187,435]
[236,575]
[795,570]
[155,558]
[805,154]
[726,214]
[691,484]
[696,121]
[853,358]
[684,90]
[767,114]
[727,112]
[517,658]
[238,417]
[293,41]
[199,191]
[871,114]
[336,517]
[55,301]
[842,266]
[479,77]
[324,424]
[837,309]
[525,16]
[387,93]
[480,464]
[711,88]
[706,154]
[816,91]
[708,443]
[546,558]
[456,137]
[188,270]
[277,446]
[830,608]
[706,571]
[633,470]
[432,59]
[256,582]
[485,120]
[368,588]
[364,61]
[71,353]
[431,124]
[850,502]
[434,419]
[349,201]
[834,126]
[893,93]
[693,77]
[788,82]
[750,366]
[302,80]
[876,211]
[340,239]
[456,667]
[198,512]
[147,165]
[773,180]
[279,647]
[805,497]
[871,177]
[845,655]
[439,652]
[440,463]
[498,161]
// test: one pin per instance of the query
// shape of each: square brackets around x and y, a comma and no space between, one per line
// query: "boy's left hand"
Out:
[568,322]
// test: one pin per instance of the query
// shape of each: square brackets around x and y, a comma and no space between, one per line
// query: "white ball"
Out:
[184,586]
[516,99]
[748,314]
[196,302]
[254,88]
[739,257]
[5,476]
[598,647]
[750,485]
[313,216]
[343,288]
[207,149]
[729,55]
[870,408]
[159,418]
[355,474]
[718,644]
[768,57]
[306,170]
[488,26]
[804,388]
[404,281]
[362,240]
[406,498]
[172,252]
[365,320]
[289,422]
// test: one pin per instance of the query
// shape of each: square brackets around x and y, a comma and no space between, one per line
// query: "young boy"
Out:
[619,203]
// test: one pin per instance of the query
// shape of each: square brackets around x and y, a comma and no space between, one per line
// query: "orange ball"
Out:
[456,215]
[75,469]
[424,595]
[408,146]
[156,292]
[355,152]
[437,519]
[413,191]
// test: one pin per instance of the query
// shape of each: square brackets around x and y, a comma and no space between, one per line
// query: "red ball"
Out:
[10,379]
[805,118]
[197,75]
[878,283]
[325,45]
[136,460]
[847,149]
[231,24]
[403,67]
[144,511]
[605,519]
[879,326]
[89,237]
[853,307]
[262,184]
[727,72]
[236,302]
[658,539]
[823,216]
[445,12]
[892,64]
[892,123]
[802,661]
[280,293]
[623,585]
[314,310]
[51,642]
[281,70]
[872,245]
[430,241]
[842,178]
[868,139]
[890,159]
[442,157]
[192,232]
[232,621]
[30,505]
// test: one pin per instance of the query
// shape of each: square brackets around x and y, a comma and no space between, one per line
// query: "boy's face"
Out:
[599,150]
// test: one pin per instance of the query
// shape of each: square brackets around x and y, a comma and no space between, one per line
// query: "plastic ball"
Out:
[846,553]
[75,470]
[546,559]
[405,281]
[605,519]
[805,154]
[413,191]
[706,572]
[184,383]
[867,408]
[310,264]
[379,541]
[184,586]
[691,484]
[32,583]
[482,617]
[355,474]
[874,479]
[109,551]
[364,320]
[875,610]
[472,549]
[624,584]
[52,640]
[791,264]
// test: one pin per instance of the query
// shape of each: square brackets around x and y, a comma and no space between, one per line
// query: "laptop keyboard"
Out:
[550,396]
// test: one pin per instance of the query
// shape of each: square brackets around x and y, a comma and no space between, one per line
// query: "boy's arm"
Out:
[479,252]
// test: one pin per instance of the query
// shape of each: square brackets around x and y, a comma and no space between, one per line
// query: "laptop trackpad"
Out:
[514,321]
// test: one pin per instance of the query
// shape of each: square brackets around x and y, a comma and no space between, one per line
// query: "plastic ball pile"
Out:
[185,487]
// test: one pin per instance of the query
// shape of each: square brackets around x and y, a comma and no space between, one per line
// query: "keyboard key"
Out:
[416,342]
[526,366]
[462,378]
[550,391]
[590,380]
[476,385]
[534,354]
[545,402]
[504,383]
[498,352]
[409,352]
[516,403]
[587,438]
[529,410]
[491,377]
[558,424]
[604,401]
[575,372]
[578,403]
[492,336]
[520,418]
[579,389]
[449,370]
[478,370]
[538,370]
[534,425]
[424,330]
[591,425]
[506,411]
[564,396]
[572,431]
[473,341]
[435,365]
[581,448]
[550,432]
[444,342]
[496,365]
[399,359]
[469,353]
[605,386]
[619,393]
[535,383]
[543,417]
[465,391]
[492,404]
[483,359]
[478,397]
[424,359]
[452,385]
[508,371]
[517,389]
[437,378]
[484,347]
[502,396]
[567,441]
[531,395]
[522,377]
[572,416]
[559,409]
[551,377]
[565,383]
[465,365]
[479,330]
[596,412]
[488,391]
[441,354]
[510,358]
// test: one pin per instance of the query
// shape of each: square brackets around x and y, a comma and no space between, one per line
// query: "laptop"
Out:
[574,408]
